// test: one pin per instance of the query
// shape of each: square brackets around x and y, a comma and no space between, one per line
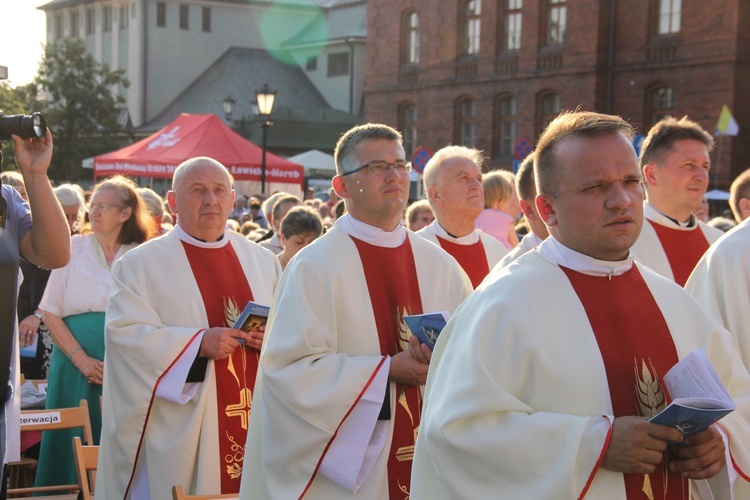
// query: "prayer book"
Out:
[30,350]
[699,397]
[427,327]
[253,317]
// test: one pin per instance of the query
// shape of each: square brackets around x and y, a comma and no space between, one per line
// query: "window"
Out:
[184,17]
[338,64]
[312,63]
[471,26]
[660,103]
[107,19]
[90,20]
[556,20]
[407,118]
[466,125]
[669,16]
[206,19]
[410,39]
[74,24]
[548,107]
[161,14]
[512,25]
[58,27]
[123,18]
[506,109]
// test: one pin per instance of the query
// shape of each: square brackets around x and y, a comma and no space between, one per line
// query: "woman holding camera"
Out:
[73,308]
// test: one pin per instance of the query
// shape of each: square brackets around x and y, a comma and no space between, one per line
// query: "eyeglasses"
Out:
[382,168]
[101,207]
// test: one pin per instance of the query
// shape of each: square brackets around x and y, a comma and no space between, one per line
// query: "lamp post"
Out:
[263,106]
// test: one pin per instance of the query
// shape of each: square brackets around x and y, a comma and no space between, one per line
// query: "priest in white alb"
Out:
[542,383]
[675,163]
[453,183]
[338,400]
[721,283]
[178,379]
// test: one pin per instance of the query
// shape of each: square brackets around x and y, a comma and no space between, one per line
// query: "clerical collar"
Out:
[557,253]
[468,239]
[651,213]
[221,242]
[371,234]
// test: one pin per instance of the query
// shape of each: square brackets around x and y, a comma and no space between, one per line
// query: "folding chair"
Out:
[54,419]
[86,460]
[179,494]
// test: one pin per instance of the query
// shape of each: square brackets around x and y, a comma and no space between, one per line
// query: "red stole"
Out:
[637,350]
[225,292]
[683,248]
[392,282]
[472,258]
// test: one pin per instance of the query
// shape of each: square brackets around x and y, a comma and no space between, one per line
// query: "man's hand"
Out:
[637,446]
[419,351]
[33,156]
[700,456]
[220,343]
[407,370]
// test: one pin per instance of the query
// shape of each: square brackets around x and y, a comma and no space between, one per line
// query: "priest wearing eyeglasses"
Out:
[339,391]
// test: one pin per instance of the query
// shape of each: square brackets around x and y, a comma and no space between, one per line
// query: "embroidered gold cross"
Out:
[241,409]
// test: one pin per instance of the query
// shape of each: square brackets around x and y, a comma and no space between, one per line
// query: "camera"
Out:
[24,126]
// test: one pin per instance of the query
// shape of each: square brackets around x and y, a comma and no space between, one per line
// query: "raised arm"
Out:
[48,243]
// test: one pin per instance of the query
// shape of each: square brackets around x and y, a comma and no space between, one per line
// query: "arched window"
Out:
[548,107]
[407,123]
[470,24]
[410,38]
[660,103]
[466,122]
[506,109]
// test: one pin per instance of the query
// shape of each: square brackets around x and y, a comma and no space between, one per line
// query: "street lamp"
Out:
[229,103]
[262,107]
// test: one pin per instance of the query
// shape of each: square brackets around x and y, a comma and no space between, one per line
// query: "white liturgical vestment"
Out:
[517,403]
[314,430]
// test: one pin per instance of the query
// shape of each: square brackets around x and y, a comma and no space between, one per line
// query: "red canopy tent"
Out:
[189,136]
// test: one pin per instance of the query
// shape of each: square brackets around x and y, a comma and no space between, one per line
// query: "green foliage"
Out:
[15,101]
[80,108]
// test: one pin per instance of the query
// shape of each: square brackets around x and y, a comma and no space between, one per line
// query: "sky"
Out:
[22,32]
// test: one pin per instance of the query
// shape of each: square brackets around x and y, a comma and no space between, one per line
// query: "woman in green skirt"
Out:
[73,308]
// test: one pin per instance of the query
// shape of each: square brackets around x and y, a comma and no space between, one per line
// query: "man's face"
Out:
[283,209]
[203,201]
[599,208]
[373,198]
[678,186]
[458,189]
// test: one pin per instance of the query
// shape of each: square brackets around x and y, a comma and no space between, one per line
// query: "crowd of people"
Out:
[569,283]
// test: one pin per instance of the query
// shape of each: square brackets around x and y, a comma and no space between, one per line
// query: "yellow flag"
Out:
[726,125]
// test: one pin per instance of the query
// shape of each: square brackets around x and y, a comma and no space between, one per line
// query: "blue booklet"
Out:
[30,350]
[427,327]
[699,397]
[252,318]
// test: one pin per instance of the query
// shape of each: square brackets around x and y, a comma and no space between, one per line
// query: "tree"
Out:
[81,109]
[15,101]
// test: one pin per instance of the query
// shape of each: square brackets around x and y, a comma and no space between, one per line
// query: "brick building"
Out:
[486,73]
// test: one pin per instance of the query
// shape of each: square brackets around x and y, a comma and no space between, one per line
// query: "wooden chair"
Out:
[86,460]
[179,494]
[54,419]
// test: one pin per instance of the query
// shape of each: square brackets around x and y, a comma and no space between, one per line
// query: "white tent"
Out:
[315,163]
[717,194]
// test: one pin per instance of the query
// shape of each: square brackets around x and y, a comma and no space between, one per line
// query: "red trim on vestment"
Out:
[150,404]
[683,249]
[472,258]
[736,467]
[351,408]
[599,462]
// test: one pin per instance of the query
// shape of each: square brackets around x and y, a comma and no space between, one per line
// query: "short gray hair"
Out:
[347,144]
[432,168]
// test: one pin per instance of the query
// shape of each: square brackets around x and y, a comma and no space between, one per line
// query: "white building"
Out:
[164,46]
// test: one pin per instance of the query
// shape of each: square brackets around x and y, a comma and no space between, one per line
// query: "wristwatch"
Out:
[38,315]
